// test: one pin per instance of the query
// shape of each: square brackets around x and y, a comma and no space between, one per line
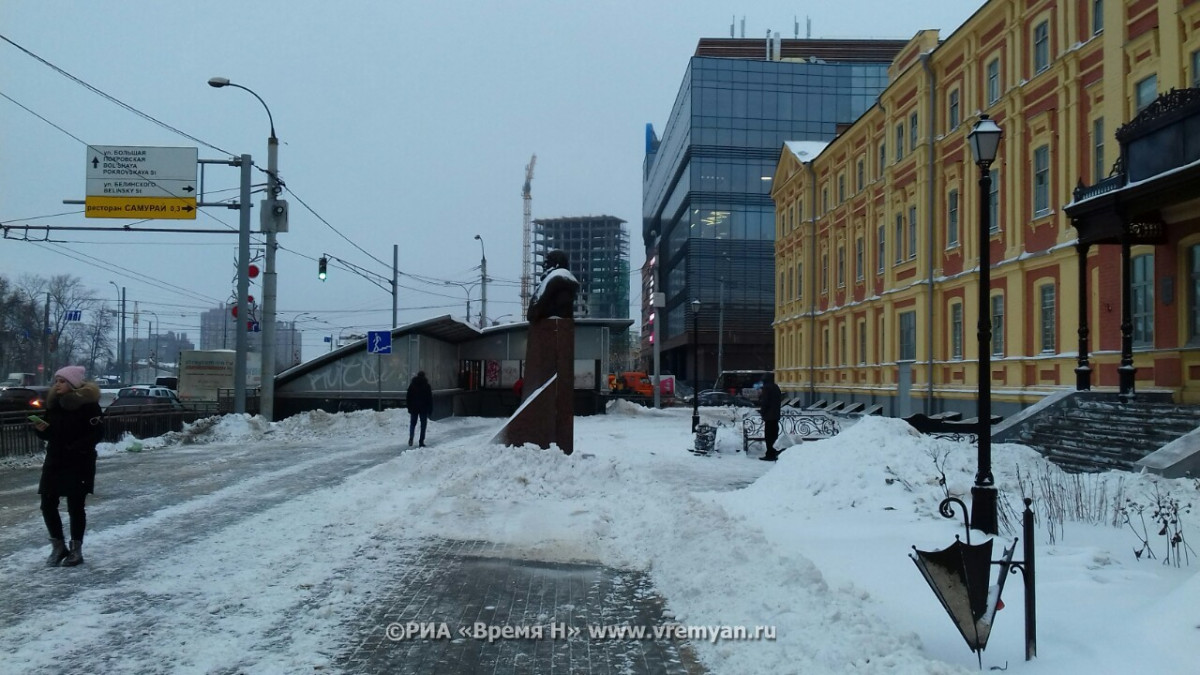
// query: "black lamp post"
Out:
[695,366]
[985,141]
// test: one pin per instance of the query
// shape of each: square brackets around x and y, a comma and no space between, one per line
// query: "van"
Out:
[171,383]
[19,380]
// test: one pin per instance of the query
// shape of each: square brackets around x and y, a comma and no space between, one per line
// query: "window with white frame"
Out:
[1041,46]
[1142,287]
[994,202]
[882,255]
[1097,16]
[956,331]
[1145,92]
[1099,171]
[952,220]
[899,245]
[1041,180]
[993,81]
[1048,319]
[912,232]
[908,337]
[859,263]
[997,325]
[954,110]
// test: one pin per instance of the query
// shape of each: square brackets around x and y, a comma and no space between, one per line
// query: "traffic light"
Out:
[322,264]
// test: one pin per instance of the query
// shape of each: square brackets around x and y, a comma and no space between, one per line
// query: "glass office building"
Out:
[708,219]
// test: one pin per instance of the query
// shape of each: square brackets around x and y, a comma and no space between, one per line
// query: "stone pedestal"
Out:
[547,413]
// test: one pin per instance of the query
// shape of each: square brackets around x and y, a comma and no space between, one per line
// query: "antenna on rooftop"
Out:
[743,26]
[732,23]
[808,21]
[795,27]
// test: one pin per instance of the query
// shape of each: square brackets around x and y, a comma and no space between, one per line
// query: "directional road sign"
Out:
[74,315]
[137,182]
[379,342]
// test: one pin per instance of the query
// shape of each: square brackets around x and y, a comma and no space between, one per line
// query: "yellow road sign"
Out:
[172,208]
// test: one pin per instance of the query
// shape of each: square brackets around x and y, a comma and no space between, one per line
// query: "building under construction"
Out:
[598,250]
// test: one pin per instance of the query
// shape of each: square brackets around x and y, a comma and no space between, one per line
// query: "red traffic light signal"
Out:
[253,271]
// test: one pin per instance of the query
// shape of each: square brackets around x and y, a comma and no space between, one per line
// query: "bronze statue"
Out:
[547,411]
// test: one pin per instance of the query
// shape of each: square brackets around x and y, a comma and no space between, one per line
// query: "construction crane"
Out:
[526,235]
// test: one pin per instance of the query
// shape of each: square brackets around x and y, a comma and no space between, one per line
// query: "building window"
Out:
[1142,287]
[994,202]
[1194,300]
[954,110]
[824,200]
[859,269]
[825,359]
[1097,16]
[1048,319]
[791,284]
[782,295]
[899,245]
[956,331]
[952,220]
[862,343]
[799,281]
[912,132]
[912,232]
[1098,170]
[841,267]
[1041,47]
[997,325]
[1147,91]
[824,272]
[882,159]
[993,81]
[1041,181]
[841,188]
[908,336]
[899,142]
[842,344]
[861,175]
[1196,69]
[882,250]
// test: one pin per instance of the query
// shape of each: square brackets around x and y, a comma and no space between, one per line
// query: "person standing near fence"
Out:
[770,401]
[71,425]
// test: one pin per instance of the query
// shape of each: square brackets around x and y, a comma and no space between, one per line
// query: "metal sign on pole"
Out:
[379,342]
[141,182]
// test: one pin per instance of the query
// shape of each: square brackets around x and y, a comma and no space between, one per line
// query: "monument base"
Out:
[546,416]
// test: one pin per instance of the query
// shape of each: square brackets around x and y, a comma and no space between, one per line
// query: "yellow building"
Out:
[877,232]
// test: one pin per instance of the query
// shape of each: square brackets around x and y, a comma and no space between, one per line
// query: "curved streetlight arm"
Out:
[219,82]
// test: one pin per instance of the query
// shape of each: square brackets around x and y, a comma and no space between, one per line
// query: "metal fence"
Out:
[17,437]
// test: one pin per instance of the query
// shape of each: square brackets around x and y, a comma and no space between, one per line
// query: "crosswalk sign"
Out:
[379,342]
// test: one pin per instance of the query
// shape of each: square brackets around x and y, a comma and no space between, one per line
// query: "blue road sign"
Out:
[328,338]
[379,342]
[74,315]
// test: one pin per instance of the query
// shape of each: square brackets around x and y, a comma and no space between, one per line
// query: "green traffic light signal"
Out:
[322,264]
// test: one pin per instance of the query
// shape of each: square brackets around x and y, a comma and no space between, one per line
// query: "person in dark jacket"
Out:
[770,400]
[419,401]
[71,425]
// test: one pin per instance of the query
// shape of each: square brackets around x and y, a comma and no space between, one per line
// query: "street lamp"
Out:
[273,219]
[467,288]
[984,140]
[295,359]
[482,284]
[695,365]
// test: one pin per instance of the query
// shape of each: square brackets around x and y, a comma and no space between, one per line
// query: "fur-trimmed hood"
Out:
[88,392]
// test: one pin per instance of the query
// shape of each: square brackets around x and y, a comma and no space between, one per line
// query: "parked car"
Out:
[720,398]
[23,399]
[144,398]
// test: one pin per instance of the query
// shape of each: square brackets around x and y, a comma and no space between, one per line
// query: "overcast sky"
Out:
[406,123]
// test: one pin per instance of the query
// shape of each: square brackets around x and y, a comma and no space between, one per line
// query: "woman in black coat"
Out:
[419,401]
[72,425]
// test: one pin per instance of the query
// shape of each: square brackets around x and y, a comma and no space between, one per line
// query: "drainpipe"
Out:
[932,118]
[812,294]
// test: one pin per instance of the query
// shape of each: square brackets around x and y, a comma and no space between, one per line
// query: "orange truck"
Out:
[638,383]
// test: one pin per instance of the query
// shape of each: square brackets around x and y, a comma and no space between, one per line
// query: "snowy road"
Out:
[184,550]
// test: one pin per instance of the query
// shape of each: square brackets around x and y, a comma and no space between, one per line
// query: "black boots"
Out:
[57,553]
[75,557]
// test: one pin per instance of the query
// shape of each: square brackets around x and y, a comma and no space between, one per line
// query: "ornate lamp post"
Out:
[984,140]
[695,365]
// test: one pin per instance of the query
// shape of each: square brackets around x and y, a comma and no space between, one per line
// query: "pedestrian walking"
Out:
[72,425]
[770,401]
[419,401]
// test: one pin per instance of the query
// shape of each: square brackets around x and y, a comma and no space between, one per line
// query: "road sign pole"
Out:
[243,290]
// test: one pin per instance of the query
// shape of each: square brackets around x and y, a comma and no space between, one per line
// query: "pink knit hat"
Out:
[72,374]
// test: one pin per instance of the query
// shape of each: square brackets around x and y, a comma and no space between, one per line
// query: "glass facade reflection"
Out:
[708,218]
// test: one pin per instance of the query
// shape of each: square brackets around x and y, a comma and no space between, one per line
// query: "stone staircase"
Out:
[1098,435]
